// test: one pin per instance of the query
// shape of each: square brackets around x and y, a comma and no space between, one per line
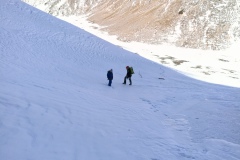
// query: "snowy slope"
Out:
[55,103]
[152,29]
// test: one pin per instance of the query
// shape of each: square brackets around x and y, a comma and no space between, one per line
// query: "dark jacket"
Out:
[110,75]
[129,74]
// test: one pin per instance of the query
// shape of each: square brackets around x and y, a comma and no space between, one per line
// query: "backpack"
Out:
[131,69]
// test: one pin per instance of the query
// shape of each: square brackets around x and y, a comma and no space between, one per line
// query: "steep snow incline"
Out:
[55,103]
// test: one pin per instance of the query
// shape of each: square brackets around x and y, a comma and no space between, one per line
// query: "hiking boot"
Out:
[130,84]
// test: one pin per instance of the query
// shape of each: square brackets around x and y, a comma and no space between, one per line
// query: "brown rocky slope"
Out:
[201,24]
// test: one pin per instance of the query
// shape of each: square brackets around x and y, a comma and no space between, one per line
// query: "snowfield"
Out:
[55,103]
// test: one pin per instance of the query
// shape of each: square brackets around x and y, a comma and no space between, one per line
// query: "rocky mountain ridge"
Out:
[200,24]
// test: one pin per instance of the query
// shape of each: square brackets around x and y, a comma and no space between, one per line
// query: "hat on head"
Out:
[127,66]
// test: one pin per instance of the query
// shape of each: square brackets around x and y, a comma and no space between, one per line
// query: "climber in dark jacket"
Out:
[128,76]
[110,77]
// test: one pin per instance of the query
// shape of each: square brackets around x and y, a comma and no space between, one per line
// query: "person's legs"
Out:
[130,80]
[110,82]
[125,78]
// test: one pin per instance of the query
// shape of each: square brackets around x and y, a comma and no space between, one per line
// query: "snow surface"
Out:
[55,103]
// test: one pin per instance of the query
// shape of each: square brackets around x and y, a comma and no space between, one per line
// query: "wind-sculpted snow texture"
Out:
[55,103]
[201,24]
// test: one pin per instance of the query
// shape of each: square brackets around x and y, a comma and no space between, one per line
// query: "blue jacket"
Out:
[110,75]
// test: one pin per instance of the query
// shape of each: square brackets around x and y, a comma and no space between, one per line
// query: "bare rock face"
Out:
[201,24]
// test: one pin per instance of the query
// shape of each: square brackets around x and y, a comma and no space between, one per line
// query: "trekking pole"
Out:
[140,74]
